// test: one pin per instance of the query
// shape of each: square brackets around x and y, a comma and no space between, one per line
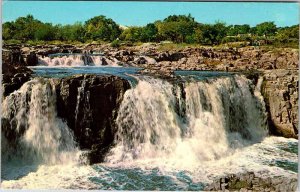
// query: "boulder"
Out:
[248,181]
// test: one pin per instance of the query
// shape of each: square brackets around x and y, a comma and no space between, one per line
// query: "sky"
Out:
[141,13]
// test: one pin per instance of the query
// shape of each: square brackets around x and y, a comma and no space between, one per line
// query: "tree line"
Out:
[175,28]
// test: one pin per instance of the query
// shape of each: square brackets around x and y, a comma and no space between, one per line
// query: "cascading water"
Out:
[218,116]
[76,60]
[34,133]
[170,136]
[68,60]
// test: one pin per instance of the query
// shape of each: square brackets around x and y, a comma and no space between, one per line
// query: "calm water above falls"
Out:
[165,140]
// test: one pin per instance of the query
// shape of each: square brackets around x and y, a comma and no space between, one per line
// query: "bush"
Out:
[116,43]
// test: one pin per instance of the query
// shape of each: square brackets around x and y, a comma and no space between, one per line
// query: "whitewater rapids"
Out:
[170,137]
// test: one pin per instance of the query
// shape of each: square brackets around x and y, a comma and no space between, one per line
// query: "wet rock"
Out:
[250,182]
[13,57]
[103,61]
[89,105]
[14,72]
[141,60]
[31,59]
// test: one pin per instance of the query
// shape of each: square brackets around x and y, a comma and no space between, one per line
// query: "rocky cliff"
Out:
[280,91]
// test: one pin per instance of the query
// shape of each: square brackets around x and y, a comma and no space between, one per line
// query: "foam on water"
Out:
[208,120]
[32,133]
[158,174]
[76,60]
[170,137]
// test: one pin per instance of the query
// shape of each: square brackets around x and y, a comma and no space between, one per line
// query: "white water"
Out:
[220,116]
[80,95]
[257,158]
[76,60]
[46,138]
[205,129]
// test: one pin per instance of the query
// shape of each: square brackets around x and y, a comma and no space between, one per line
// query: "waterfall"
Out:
[80,95]
[67,60]
[193,122]
[76,60]
[31,130]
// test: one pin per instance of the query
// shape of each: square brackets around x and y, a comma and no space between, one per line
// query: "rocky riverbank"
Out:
[187,58]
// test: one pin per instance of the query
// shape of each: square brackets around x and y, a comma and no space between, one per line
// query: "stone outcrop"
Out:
[280,91]
[89,105]
[14,72]
[244,182]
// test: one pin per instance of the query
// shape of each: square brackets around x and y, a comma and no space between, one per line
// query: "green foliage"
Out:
[8,30]
[75,32]
[288,34]
[176,28]
[101,28]
[234,30]
[132,34]
[44,32]
[265,29]
[213,34]
[180,29]
[115,43]
[149,33]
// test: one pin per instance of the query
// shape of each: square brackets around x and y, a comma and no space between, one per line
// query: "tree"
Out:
[198,36]
[234,30]
[213,34]
[101,28]
[176,28]
[8,30]
[26,27]
[132,34]
[73,32]
[266,29]
[149,33]
[288,34]
[44,32]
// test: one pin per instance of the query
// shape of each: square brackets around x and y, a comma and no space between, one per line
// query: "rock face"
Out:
[250,182]
[15,74]
[31,59]
[89,104]
[280,90]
